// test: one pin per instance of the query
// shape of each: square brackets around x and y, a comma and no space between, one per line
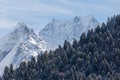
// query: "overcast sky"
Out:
[37,13]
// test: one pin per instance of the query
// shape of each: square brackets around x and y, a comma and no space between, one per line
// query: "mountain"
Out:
[19,45]
[93,57]
[22,43]
[57,31]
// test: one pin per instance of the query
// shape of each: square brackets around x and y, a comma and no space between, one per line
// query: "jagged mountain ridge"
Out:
[57,31]
[20,44]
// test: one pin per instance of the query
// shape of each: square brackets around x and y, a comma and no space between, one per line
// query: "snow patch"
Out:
[32,41]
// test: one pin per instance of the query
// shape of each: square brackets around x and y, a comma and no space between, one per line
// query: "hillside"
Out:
[96,56]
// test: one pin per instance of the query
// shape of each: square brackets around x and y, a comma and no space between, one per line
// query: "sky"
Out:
[36,14]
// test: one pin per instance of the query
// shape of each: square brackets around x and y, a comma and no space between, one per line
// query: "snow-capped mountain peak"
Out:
[57,31]
[55,20]
[21,27]
[20,44]
[76,19]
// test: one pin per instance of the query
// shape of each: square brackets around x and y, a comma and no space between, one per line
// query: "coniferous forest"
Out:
[96,56]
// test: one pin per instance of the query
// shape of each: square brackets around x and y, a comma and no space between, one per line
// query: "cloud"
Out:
[28,7]
[37,13]
[80,5]
[100,9]
[25,9]
[34,13]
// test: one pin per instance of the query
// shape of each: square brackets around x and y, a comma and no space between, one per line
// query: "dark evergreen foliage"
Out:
[96,56]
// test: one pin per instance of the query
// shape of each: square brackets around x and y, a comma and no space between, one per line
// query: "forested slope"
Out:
[96,56]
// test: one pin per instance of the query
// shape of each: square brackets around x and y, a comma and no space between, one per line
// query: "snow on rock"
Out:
[57,31]
[32,41]
[19,45]
[22,43]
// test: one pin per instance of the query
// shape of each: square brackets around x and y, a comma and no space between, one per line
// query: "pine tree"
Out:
[96,56]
